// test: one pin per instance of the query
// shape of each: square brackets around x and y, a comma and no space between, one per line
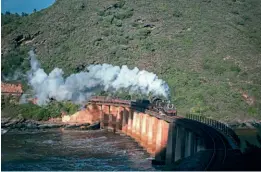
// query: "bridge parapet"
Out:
[222,127]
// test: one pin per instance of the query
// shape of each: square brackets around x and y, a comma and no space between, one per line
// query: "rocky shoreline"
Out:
[20,123]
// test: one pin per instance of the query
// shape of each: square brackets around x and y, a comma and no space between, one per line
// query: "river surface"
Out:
[81,150]
[72,150]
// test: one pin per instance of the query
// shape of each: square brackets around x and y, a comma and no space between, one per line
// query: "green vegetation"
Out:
[10,108]
[207,51]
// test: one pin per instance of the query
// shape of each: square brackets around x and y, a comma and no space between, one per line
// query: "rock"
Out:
[13,122]
[150,26]
[94,126]
[70,126]
[3,131]
[5,120]
[31,125]
[44,126]
[77,126]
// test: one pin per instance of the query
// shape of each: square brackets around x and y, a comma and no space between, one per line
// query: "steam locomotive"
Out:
[157,104]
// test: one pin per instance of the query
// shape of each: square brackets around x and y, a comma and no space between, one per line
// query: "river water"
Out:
[72,150]
[82,150]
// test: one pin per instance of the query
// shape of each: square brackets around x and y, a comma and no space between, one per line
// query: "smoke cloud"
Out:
[78,87]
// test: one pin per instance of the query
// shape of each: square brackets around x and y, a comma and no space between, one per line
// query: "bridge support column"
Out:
[134,124]
[124,120]
[141,116]
[144,130]
[171,145]
[158,156]
[180,144]
[119,119]
[150,134]
[101,118]
[154,136]
[106,113]
[161,142]
[130,121]
[110,125]
[200,145]
[138,127]
[190,143]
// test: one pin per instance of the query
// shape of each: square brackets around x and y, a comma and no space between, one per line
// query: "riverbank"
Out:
[19,123]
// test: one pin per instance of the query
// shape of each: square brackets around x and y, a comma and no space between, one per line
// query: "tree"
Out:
[24,14]
[34,10]
[7,13]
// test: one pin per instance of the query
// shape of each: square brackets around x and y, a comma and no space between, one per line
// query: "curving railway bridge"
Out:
[168,139]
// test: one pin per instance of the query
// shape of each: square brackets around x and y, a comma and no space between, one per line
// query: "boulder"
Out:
[5,120]
[13,122]
[76,126]
[44,126]
[94,126]
[3,131]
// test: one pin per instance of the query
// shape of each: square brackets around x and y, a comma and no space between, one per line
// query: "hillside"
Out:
[208,51]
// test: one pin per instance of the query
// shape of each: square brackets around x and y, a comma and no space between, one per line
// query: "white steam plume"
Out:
[80,86]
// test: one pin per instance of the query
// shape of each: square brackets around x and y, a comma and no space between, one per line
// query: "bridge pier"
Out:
[130,121]
[200,144]
[101,118]
[159,138]
[154,134]
[119,119]
[144,130]
[110,125]
[190,143]
[105,115]
[124,120]
[138,127]
[180,143]
[150,134]
[134,124]
[171,145]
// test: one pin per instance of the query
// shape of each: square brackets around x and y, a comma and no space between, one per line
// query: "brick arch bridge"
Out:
[167,138]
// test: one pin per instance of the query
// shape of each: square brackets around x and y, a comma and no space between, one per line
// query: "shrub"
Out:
[177,14]
[117,23]
[235,68]
[119,4]
[143,33]
[14,60]
[124,14]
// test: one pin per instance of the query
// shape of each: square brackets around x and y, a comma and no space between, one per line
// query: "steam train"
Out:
[161,106]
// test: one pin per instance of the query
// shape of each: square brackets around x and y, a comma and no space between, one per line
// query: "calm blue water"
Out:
[27,6]
[72,150]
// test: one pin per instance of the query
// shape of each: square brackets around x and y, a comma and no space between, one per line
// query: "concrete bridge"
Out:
[167,138]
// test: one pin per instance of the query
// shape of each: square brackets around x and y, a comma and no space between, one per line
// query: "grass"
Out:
[198,47]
